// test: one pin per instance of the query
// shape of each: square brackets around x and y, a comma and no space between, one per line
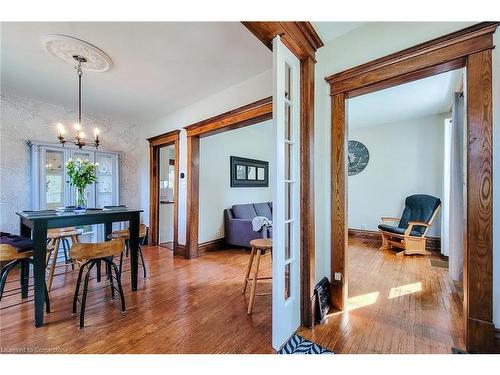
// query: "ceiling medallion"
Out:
[65,47]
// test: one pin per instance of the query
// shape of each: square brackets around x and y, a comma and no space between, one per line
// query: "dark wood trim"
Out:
[155,143]
[192,195]
[308,277]
[374,236]
[478,283]
[338,182]
[181,251]
[299,37]
[458,39]
[164,139]
[411,76]
[213,245]
[469,47]
[250,114]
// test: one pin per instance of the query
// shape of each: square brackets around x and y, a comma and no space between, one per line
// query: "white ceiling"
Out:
[158,67]
[331,30]
[425,97]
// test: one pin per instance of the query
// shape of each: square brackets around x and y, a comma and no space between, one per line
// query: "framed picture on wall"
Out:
[249,172]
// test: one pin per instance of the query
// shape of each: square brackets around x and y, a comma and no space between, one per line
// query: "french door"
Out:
[286,194]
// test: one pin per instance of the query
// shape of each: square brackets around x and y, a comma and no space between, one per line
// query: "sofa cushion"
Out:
[397,230]
[244,211]
[263,209]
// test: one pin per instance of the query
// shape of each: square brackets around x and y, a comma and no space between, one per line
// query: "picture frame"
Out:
[246,172]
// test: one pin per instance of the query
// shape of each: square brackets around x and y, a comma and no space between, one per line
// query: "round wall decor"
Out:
[357,156]
[66,47]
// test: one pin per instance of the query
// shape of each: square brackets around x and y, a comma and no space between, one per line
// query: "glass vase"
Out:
[81,201]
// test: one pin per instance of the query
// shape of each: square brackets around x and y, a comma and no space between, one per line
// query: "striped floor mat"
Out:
[299,345]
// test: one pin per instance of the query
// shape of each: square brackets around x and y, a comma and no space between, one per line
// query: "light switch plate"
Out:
[338,276]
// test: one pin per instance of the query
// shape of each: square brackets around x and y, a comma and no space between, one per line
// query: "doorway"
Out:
[166,189]
[397,161]
[470,48]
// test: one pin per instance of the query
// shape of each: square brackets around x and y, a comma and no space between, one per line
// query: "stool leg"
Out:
[77,288]
[254,282]
[110,277]
[53,265]
[65,244]
[25,274]
[85,291]
[127,243]
[50,242]
[249,268]
[120,289]
[4,274]
[142,261]
[121,263]
[47,300]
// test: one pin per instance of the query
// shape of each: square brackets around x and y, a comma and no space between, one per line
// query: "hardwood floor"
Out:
[397,304]
[183,306]
[195,306]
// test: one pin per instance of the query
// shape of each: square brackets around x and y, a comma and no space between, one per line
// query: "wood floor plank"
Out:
[403,318]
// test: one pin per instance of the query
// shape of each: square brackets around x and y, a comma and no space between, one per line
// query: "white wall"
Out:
[249,91]
[254,142]
[405,158]
[361,45]
[22,119]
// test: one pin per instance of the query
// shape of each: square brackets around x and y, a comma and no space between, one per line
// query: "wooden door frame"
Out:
[470,48]
[247,115]
[155,144]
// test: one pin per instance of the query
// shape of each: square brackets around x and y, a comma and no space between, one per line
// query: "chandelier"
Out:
[79,135]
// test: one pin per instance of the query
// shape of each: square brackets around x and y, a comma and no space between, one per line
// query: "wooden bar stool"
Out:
[259,248]
[55,237]
[125,234]
[91,254]
[9,253]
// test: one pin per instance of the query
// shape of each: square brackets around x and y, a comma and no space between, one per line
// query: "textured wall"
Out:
[22,119]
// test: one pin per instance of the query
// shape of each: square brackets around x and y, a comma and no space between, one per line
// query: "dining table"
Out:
[34,224]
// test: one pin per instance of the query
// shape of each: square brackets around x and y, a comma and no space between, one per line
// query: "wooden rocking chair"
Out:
[416,220]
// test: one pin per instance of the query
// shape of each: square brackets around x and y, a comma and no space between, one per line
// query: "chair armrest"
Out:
[411,224]
[385,218]
[418,223]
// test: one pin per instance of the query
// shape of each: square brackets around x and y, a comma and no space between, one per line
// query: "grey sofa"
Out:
[238,222]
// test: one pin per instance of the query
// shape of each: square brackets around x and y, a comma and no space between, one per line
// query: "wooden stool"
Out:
[125,234]
[92,254]
[55,237]
[259,248]
[9,253]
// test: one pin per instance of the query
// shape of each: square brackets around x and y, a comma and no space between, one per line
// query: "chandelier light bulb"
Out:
[77,126]
[60,127]
[96,132]
[82,135]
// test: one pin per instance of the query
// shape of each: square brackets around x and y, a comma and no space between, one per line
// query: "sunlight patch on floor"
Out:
[363,300]
[402,290]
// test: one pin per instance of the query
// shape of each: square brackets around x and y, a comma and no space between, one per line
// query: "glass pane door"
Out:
[106,175]
[55,180]
[286,194]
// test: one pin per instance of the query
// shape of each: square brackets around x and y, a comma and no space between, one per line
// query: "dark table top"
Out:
[54,214]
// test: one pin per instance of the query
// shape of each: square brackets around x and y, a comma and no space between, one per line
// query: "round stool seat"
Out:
[9,253]
[62,232]
[262,243]
[82,250]
[123,233]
